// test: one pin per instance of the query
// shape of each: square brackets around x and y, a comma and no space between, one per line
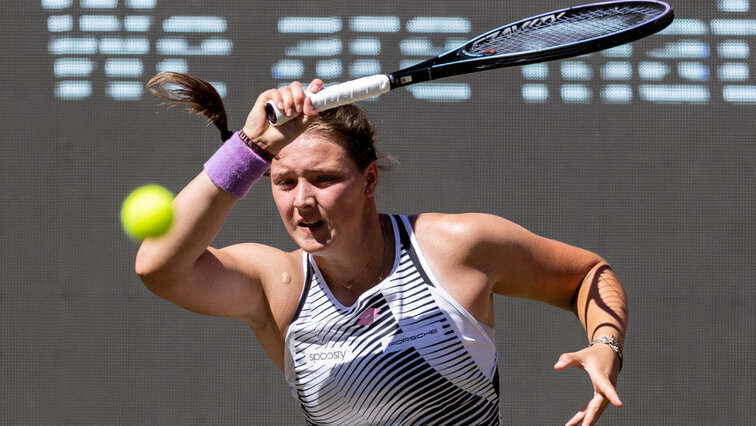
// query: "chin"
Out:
[310,245]
[319,242]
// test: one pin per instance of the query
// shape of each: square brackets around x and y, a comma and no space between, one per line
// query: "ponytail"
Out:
[195,95]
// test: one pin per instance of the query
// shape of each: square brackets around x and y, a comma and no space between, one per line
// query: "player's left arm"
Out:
[521,264]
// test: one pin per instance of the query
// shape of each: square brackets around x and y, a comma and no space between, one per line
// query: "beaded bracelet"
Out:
[612,343]
[254,146]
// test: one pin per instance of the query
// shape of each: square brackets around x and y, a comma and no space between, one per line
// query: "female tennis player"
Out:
[375,318]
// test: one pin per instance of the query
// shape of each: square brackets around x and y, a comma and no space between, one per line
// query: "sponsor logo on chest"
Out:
[328,357]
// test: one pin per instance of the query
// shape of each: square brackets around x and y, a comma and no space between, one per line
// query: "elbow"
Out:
[597,261]
[600,282]
[152,271]
[144,264]
[589,274]
[594,266]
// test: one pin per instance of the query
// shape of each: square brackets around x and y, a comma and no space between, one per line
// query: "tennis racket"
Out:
[553,35]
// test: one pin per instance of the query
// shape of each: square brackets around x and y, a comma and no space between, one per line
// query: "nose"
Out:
[304,197]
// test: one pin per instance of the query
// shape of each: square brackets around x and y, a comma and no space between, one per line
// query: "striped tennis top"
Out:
[404,353]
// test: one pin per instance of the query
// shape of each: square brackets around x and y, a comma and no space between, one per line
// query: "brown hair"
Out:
[347,124]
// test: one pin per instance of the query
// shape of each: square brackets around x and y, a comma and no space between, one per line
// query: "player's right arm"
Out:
[181,267]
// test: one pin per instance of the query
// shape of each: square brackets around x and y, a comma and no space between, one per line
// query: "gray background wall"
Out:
[662,189]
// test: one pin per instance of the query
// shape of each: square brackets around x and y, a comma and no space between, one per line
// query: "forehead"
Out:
[311,151]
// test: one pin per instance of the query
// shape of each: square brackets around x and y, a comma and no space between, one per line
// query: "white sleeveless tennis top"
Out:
[404,353]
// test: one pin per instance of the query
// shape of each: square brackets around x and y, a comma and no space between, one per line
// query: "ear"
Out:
[371,178]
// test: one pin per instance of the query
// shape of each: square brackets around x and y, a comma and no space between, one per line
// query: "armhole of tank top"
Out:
[288,361]
[305,287]
[419,256]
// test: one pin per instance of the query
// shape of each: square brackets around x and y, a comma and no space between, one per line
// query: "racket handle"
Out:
[337,95]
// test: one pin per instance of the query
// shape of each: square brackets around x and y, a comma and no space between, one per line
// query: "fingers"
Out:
[291,99]
[600,373]
[577,418]
[603,388]
[567,360]
[590,414]
[314,87]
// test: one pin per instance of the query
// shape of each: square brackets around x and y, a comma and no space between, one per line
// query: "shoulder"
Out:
[258,259]
[460,239]
[477,241]
[467,229]
[279,272]
[458,252]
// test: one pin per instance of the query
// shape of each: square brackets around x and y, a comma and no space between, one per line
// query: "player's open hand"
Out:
[602,365]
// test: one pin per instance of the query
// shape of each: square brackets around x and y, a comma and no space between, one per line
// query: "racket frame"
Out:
[457,62]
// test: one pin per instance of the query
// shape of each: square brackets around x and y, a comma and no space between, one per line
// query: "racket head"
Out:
[549,36]
[568,32]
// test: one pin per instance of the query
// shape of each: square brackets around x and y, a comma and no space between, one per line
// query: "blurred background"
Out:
[644,153]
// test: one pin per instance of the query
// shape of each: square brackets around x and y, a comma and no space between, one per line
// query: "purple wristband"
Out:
[234,167]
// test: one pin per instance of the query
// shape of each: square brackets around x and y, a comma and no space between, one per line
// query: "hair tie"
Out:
[226,135]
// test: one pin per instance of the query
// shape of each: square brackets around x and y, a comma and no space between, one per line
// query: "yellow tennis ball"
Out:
[147,212]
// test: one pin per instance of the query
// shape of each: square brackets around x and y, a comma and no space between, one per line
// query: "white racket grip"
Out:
[337,95]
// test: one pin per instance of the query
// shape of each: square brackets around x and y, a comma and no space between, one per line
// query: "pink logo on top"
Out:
[367,317]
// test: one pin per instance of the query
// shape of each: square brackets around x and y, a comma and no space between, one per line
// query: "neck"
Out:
[366,263]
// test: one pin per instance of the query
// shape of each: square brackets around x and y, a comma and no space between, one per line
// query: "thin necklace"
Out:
[383,258]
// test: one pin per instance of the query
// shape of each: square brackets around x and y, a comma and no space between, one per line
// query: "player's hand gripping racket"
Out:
[554,35]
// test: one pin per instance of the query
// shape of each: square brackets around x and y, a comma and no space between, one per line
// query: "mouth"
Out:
[310,225]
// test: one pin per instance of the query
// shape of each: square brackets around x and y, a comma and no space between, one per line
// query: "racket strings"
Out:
[584,25]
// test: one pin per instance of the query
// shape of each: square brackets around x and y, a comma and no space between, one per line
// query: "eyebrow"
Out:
[310,171]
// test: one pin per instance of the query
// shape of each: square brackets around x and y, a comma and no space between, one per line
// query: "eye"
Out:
[285,183]
[325,180]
